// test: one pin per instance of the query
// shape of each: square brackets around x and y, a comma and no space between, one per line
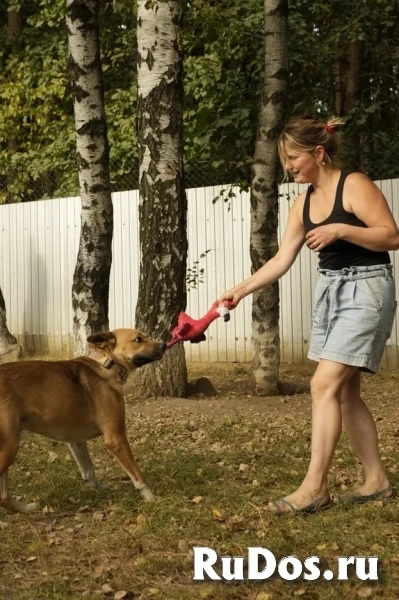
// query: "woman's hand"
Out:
[322,236]
[232,296]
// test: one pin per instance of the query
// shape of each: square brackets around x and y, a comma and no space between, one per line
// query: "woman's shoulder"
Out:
[297,207]
[359,187]
[299,200]
[356,178]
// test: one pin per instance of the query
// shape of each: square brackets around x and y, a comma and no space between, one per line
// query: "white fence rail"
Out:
[39,243]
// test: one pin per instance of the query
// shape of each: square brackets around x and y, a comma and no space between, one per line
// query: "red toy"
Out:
[190,330]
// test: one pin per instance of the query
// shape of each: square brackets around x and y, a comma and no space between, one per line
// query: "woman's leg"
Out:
[362,433]
[326,388]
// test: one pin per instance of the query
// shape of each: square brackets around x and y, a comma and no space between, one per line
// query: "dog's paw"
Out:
[94,484]
[20,507]
[147,494]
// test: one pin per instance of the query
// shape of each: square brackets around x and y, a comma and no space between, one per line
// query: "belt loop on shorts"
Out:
[385,272]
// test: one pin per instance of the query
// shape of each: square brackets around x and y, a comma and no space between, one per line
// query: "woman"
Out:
[345,218]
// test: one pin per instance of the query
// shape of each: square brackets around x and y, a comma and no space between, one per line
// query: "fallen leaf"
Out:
[365,592]
[216,514]
[260,534]
[98,516]
[243,467]
[31,558]
[119,595]
[197,499]
[206,591]
[263,596]
[52,456]
[106,588]
[141,519]
[98,571]
[334,546]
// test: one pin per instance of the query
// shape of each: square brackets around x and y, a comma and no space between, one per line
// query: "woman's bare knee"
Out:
[321,386]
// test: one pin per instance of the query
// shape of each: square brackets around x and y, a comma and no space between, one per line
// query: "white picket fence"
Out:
[39,243]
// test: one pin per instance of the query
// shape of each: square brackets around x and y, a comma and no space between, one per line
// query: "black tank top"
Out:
[341,254]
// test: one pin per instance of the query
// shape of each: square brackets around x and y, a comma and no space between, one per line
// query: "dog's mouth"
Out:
[144,359]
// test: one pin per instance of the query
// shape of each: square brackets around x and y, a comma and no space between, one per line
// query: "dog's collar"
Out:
[108,363]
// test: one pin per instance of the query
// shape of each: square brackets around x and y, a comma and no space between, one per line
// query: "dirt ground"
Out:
[213,463]
[234,395]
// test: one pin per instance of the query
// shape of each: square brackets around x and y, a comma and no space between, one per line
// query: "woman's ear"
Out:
[320,154]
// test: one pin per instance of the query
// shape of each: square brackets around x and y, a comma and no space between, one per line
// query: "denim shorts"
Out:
[353,315]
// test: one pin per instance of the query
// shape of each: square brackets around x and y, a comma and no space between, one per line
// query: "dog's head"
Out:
[128,347]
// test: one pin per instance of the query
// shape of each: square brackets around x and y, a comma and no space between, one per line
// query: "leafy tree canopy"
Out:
[223,44]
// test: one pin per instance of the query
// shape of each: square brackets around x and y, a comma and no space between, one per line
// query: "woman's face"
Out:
[302,166]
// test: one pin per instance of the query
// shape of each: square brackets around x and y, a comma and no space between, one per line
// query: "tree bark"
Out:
[338,88]
[264,198]
[163,203]
[353,89]
[10,350]
[352,98]
[90,288]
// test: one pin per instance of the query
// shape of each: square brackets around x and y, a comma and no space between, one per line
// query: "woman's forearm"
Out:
[377,239]
[268,274]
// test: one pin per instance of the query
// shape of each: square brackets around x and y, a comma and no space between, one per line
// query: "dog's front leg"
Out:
[119,446]
[7,502]
[81,454]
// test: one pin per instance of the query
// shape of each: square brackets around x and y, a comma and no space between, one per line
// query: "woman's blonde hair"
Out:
[304,134]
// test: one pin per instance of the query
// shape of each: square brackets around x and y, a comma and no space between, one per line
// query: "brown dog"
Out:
[74,401]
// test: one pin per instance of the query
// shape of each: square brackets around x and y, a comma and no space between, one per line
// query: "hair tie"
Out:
[329,128]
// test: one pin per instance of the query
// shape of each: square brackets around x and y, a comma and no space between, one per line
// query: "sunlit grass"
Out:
[213,471]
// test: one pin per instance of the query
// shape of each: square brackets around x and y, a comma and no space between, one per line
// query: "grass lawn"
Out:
[213,464]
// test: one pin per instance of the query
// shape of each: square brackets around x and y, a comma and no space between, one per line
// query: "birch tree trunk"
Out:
[90,288]
[9,347]
[264,199]
[163,203]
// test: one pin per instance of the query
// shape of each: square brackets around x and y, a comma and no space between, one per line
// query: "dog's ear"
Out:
[102,339]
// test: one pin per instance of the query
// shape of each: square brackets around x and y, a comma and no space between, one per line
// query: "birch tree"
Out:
[9,347]
[90,288]
[163,204]
[264,198]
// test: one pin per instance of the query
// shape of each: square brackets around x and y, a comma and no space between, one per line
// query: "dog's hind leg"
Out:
[9,449]
[81,454]
[119,446]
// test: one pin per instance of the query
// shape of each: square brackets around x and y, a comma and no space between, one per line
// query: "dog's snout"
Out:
[226,317]
[162,346]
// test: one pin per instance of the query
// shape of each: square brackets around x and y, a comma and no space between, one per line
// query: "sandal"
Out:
[321,503]
[380,495]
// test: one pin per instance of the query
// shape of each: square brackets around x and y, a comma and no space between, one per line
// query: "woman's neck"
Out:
[325,177]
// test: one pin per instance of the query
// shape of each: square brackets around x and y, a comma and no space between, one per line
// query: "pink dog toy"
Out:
[190,330]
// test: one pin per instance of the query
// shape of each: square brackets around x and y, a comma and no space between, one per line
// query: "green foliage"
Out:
[223,46]
[223,71]
[321,34]
[196,274]
[37,107]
